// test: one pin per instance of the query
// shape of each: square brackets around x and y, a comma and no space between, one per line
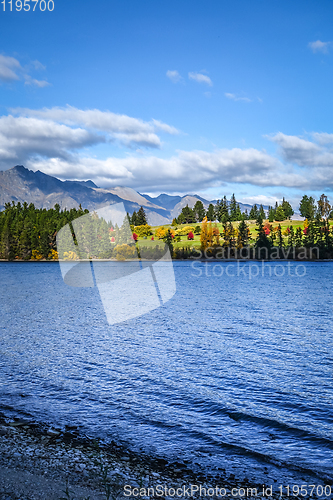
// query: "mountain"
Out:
[44,191]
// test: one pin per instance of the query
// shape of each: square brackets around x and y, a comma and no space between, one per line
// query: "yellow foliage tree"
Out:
[206,235]
[160,232]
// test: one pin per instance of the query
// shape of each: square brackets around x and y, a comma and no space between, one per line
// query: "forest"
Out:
[221,231]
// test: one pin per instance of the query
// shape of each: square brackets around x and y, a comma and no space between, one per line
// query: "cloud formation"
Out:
[200,78]
[24,138]
[126,129]
[234,97]
[320,46]
[11,70]
[55,140]
[188,170]
[36,83]
[174,76]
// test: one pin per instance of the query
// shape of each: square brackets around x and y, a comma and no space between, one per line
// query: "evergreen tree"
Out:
[291,237]
[299,238]
[211,212]
[271,214]
[187,216]
[221,210]
[307,207]
[279,214]
[141,218]
[287,208]
[238,213]
[133,219]
[233,208]
[262,244]
[254,213]
[262,212]
[243,234]
[199,211]
[279,236]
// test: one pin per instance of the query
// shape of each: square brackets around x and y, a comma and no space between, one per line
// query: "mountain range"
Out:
[44,191]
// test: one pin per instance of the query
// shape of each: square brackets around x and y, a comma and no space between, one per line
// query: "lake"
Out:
[234,373]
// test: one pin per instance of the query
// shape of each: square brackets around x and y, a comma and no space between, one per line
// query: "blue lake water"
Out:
[232,373]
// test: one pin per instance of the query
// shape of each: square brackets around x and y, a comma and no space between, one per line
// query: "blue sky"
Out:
[209,97]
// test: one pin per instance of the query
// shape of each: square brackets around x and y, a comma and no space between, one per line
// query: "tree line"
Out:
[224,211]
[28,232]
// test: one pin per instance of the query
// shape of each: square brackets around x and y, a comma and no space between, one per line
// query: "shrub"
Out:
[144,230]
[190,236]
[124,252]
[183,231]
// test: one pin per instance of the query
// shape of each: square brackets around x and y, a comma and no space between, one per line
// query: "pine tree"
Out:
[262,212]
[262,244]
[254,213]
[199,211]
[243,234]
[279,214]
[287,209]
[221,210]
[233,208]
[133,220]
[299,238]
[211,212]
[239,216]
[141,218]
[271,214]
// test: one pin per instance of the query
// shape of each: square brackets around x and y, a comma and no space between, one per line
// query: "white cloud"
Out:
[259,200]
[200,78]
[55,140]
[38,65]
[186,171]
[36,83]
[234,97]
[320,46]
[22,138]
[323,137]
[174,76]
[125,129]
[296,149]
[165,127]
[10,68]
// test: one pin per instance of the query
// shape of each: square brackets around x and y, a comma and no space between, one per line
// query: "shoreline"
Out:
[38,461]
[193,259]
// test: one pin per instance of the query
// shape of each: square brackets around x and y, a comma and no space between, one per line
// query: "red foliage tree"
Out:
[190,236]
